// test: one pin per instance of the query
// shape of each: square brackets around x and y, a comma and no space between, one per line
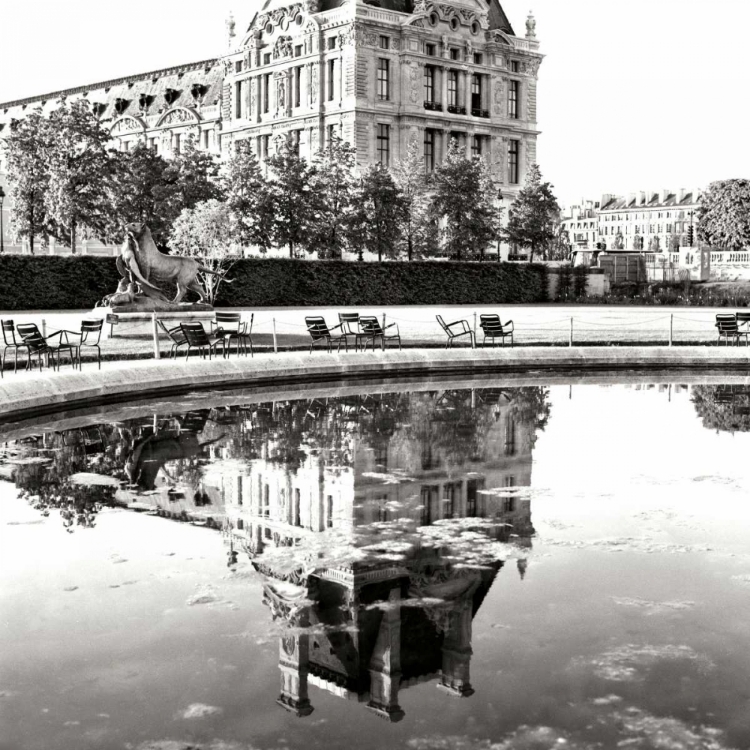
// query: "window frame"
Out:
[383,143]
[383,79]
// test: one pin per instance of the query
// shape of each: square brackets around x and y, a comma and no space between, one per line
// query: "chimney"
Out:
[642,197]
[631,198]
[663,195]
[680,195]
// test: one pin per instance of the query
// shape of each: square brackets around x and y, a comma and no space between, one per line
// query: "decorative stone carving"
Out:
[280,94]
[126,125]
[499,97]
[282,48]
[314,82]
[312,6]
[531,26]
[531,67]
[414,83]
[444,41]
[347,37]
[177,116]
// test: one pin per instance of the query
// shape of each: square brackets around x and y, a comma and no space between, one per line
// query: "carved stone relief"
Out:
[499,97]
[414,84]
[177,116]
[127,124]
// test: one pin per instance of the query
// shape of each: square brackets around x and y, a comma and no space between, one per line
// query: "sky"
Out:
[632,96]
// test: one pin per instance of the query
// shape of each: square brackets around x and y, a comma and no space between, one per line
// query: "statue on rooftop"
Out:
[531,26]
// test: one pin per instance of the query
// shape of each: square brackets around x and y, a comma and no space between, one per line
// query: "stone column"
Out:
[444,87]
[385,664]
[294,666]
[444,142]
[467,93]
[456,668]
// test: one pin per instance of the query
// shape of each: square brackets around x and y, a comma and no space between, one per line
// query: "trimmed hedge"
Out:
[48,282]
[58,283]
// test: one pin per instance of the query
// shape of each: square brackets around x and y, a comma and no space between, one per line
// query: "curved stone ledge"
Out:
[22,394]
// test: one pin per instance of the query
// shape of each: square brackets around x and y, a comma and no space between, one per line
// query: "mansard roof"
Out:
[498,19]
[207,74]
[653,200]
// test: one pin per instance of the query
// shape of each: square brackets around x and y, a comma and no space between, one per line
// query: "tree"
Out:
[561,247]
[292,202]
[139,177]
[531,217]
[249,197]
[654,245]
[724,214]
[209,232]
[674,243]
[28,177]
[380,214]
[419,235]
[80,166]
[332,183]
[619,241]
[190,178]
[464,199]
[637,242]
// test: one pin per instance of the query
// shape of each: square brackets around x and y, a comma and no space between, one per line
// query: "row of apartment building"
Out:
[650,221]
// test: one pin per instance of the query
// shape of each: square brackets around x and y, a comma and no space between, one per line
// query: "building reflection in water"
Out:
[379,522]
[382,537]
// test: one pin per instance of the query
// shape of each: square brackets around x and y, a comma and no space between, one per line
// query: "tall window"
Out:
[331,72]
[238,99]
[452,88]
[476,145]
[331,134]
[177,138]
[476,92]
[297,85]
[384,42]
[429,49]
[513,100]
[429,150]
[294,138]
[513,148]
[265,141]
[429,83]
[383,79]
[266,90]
[384,144]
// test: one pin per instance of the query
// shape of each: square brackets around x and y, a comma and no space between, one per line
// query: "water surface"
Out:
[523,567]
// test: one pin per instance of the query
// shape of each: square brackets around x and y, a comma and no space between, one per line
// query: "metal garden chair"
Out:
[372,330]
[40,346]
[89,336]
[197,338]
[321,333]
[727,328]
[231,326]
[176,336]
[743,326]
[350,329]
[493,329]
[11,342]
[465,330]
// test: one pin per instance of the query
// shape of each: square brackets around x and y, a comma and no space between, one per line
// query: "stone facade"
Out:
[377,75]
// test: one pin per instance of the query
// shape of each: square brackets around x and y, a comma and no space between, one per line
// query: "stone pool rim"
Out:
[23,395]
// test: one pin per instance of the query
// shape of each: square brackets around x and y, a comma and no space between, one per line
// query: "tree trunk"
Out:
[73,239]
[291,249]
[410,248]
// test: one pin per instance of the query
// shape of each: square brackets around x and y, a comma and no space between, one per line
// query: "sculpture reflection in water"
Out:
[380,545]
[723,408]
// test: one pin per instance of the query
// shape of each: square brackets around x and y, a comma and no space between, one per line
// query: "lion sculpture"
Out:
[141,262]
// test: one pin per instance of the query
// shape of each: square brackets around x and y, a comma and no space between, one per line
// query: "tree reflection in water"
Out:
[724,408]
[379,521]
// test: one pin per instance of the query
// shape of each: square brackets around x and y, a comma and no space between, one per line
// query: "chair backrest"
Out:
[442,323]
[9,333]
[91,332]
[31,336]
[490,323]
[317,327]
[727,323]
[229,321]
[743,317]
[195,334]
[347,320]
[370,325]
[176,335]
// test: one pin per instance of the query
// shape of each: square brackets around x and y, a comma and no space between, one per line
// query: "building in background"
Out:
[378,74]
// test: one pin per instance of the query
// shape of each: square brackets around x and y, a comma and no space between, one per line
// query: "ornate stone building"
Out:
[378,74]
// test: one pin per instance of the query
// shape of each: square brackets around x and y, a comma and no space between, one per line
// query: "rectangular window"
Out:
[430,49]
[384,42]
[383,79]
[331,73]
[429,83]
[454,53]
[477,58]
[476,94]
[238,66]
[298,51]
[205,139]
[384,144]
[429,150]
[177,144]
[513,148]
[514,66]
[294,138]
[452,88]
[331,42]
[266,90]
[331,133]
[297,85]
[267,58]
[476,145]
[265,142]
[238,99]
[513,100]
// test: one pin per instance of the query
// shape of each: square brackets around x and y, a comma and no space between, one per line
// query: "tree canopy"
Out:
[724,214]
[531,218]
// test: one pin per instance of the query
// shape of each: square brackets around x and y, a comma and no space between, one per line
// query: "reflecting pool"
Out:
[466,567]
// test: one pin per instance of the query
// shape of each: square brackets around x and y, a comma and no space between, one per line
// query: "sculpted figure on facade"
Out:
[312,6]
[314,82]
[414,81]
[531,26]
[499,99]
